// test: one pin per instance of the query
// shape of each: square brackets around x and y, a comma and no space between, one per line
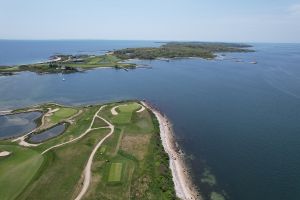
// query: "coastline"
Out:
[184,187]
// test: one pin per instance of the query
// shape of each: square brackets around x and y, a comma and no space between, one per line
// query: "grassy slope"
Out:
[17,170]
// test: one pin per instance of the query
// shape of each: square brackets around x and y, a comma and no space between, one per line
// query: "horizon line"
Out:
[150,40]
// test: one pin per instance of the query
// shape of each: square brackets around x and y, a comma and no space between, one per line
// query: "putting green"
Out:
[17,170]
[115,172]
[129,107]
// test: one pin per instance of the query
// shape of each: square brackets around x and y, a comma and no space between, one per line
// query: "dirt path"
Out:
[87,169]
[82,135]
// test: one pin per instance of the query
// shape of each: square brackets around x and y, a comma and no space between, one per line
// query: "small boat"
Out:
[253,62]
[63,79]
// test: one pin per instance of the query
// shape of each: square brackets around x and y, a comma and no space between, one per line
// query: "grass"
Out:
[115,172]
[130,164]
[99,123]
[63,171]
[17,170]
[130,107]
[125,113]
[122,118]
[61,114]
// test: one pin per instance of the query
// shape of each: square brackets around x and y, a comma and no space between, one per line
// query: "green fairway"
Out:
[129,107]
[61,114]
[122,118]
[115,172]
[17,170]
[125,113]
[130,164]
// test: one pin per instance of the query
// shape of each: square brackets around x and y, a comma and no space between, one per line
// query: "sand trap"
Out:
[4,153]
[141,109]
[113,110]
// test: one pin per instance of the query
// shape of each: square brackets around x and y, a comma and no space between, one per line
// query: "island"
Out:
[119,59]
[120,150]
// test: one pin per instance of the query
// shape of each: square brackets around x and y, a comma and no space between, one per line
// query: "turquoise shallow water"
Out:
[238,119]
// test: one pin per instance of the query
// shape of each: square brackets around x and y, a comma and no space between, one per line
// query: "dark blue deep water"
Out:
[240,120]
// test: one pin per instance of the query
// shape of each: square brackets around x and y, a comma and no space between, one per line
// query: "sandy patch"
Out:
[141,109]
[4,153]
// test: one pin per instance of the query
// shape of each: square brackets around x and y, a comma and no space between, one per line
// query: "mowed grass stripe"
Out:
[115,172]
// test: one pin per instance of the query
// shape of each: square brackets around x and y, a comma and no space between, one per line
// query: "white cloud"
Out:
[294,9]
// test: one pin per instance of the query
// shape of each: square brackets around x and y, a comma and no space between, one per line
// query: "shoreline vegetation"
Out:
[122,150]
[184,186]
[118,59]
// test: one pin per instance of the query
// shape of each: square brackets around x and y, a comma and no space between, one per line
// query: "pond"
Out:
[48,134]
[18,124]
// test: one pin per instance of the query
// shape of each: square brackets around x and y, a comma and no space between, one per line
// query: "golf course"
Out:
[111,151]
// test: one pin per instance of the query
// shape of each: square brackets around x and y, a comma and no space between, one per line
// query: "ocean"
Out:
[240,121]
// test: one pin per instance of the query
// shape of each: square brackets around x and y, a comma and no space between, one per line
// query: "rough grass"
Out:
[115,172]
[99,123]
[136,145]
[64,169]
[131,164]
[17,170]
[61,114]
[145,172]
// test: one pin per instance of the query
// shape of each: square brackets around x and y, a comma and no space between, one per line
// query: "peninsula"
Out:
[119,58]
[122,150]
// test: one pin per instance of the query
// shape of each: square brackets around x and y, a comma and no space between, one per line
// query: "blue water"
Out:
[17,124]
[240,120]
[14,52]
[48,134]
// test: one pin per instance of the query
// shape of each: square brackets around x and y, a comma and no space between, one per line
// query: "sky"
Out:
[188,20]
